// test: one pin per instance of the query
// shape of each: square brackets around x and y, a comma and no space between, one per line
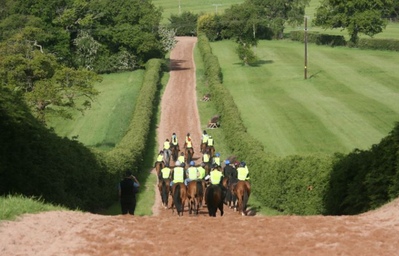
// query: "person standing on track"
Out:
[128,188]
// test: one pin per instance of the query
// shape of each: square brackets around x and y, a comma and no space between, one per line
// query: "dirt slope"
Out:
[71,233]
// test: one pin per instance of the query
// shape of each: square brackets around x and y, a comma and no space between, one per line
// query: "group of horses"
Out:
[198,191]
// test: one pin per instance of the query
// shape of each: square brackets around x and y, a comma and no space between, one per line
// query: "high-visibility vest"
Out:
[205,138]
[210,142]
[165,172]
[242,173]
[192,173]
[202,172]
[159,158]
[216,159]
[180,159]
[174,140]
[178,174]
[216,177]
[205,158]
[189,143]
[166,145]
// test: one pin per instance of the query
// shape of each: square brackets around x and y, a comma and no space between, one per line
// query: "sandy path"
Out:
[72,233]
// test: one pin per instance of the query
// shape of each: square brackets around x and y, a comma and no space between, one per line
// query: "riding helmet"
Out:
[242,164]
[217,154]
[192,163]
[227,161]
[177,163]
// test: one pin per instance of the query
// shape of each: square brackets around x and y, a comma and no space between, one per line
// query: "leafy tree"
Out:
[26,69]
[185,24]
[210,25]
[356,16]
[279,12]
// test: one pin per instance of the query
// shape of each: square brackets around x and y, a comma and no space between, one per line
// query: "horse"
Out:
[231,198]
[174,152]
[164,190]
[179,194]
[211,150]
[214,200]
[189,154]
[166,156]
[158,167]
[195,194]
[242,190]
[203,147]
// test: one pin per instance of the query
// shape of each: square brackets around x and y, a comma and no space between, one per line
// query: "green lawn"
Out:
[351,99]
[105,123]
[194,6]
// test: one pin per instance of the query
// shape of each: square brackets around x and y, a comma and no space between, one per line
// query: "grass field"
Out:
[205,6]
[106,122]
[351,99]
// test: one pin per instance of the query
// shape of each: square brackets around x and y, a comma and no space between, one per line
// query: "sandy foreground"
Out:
[164,233]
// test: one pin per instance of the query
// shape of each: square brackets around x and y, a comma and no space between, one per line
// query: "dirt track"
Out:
[72,233]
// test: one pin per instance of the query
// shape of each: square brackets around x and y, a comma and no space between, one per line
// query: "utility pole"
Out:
[216,7]
[306,47]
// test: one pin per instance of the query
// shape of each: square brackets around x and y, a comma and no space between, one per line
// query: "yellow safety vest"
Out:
[189,143]
[201,171]
[166,145]
[205,138]
[210,142]
[216,160]
[165,172]
[192,173]
[205,158]
[216,177]
[178,174]
[180,159]
[242,173]
[160,158]
[174,141]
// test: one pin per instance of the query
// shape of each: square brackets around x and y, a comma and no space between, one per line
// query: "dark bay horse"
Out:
[231,198]
[175,152]
[179,195]
[214,200]
[164,190]
[195,195]
[158,167]
[203,147]
[242,190]
[189,154]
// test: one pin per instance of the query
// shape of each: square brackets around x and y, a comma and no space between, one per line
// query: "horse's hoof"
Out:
[243,214]
[235,209]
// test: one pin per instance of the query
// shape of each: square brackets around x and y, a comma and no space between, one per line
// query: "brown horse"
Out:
[203,147]
[214,200]
[158,167]
[189,154]
[195,195]
[230,199]
[242,191]
[174,151]
[211,150]
[164,190]
[179,195]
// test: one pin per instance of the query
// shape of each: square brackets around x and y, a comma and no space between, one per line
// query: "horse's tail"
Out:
[245,199]
[177,199]
[164,193]
[200,191]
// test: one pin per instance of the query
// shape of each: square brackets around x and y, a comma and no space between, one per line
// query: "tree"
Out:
[185,24]
[356,16]
[43,82]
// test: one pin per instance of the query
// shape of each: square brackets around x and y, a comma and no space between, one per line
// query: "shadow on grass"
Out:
[256,63]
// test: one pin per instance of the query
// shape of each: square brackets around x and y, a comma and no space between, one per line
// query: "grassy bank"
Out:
[351,99]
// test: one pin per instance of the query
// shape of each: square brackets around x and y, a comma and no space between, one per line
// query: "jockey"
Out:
[178,173]
[206,158]
[242,172]
[215,175]
[201,171]
[230,172]
[181,157]
[174,141]
[192,173]
[189,142]
[165,173]
[210,141]
[204,137]
[166,150]
[159,157]
[216,159]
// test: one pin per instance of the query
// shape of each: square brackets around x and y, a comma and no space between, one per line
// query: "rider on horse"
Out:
[166,151]
[159,157]
[165,173]
[192,173]
[174,141]
[181,157]
[201,171]
[216,159]
[242,172]
[178,173]
[216,178]
[206,158]
[204,141]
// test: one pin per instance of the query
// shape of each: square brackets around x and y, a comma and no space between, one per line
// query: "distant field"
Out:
[194,6]
[351,99]
[106,122]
